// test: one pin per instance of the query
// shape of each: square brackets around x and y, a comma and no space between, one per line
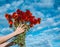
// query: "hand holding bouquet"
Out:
[17,19]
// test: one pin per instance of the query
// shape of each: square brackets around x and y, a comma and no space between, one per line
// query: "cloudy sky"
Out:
[46,34]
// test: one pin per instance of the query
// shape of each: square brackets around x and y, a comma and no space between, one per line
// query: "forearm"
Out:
[5,38]
[4,44]
[19,30]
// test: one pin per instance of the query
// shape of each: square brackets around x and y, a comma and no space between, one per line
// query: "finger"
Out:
[24,27]
[20,25]
[23,30]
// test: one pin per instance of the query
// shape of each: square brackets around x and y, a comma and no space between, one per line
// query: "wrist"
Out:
[15,33]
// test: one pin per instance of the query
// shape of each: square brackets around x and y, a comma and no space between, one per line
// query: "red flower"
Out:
[20,16]
[35,21]
[31,19]
[28,13]
[18,11]
[8,17]
[15,15]
[10,22]
[38,20]
[31,25]
[24,16]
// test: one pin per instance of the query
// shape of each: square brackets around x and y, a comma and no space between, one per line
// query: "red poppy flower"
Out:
[28,13]
[15,15]
[20,16]
[8,17]
[10,22]
[24,17]
[38,20]
[31,19]
[31,25]
[35,21]
[18,11]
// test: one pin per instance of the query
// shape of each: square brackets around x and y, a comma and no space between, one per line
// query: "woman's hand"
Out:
[20,29]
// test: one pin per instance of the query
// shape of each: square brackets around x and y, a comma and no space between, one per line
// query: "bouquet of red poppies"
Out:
[19,17]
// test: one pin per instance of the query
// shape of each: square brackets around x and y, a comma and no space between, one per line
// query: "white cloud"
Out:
[51,20]
[4,8]
[51,30]
[1,18]
[39,40]
[57,16]
[47,3]
[38,28]
[50,43]
[8,5]
[46,23]
[44,3]
[56,23]
[51,33]
[56,28]
[6,30]
[58,8]
[15,4]
[38,14]
[24,7]
[34,41]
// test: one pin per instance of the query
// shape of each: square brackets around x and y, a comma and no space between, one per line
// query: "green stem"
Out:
[20,39]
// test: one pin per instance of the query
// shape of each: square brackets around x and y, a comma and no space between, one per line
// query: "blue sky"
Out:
[46,34]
